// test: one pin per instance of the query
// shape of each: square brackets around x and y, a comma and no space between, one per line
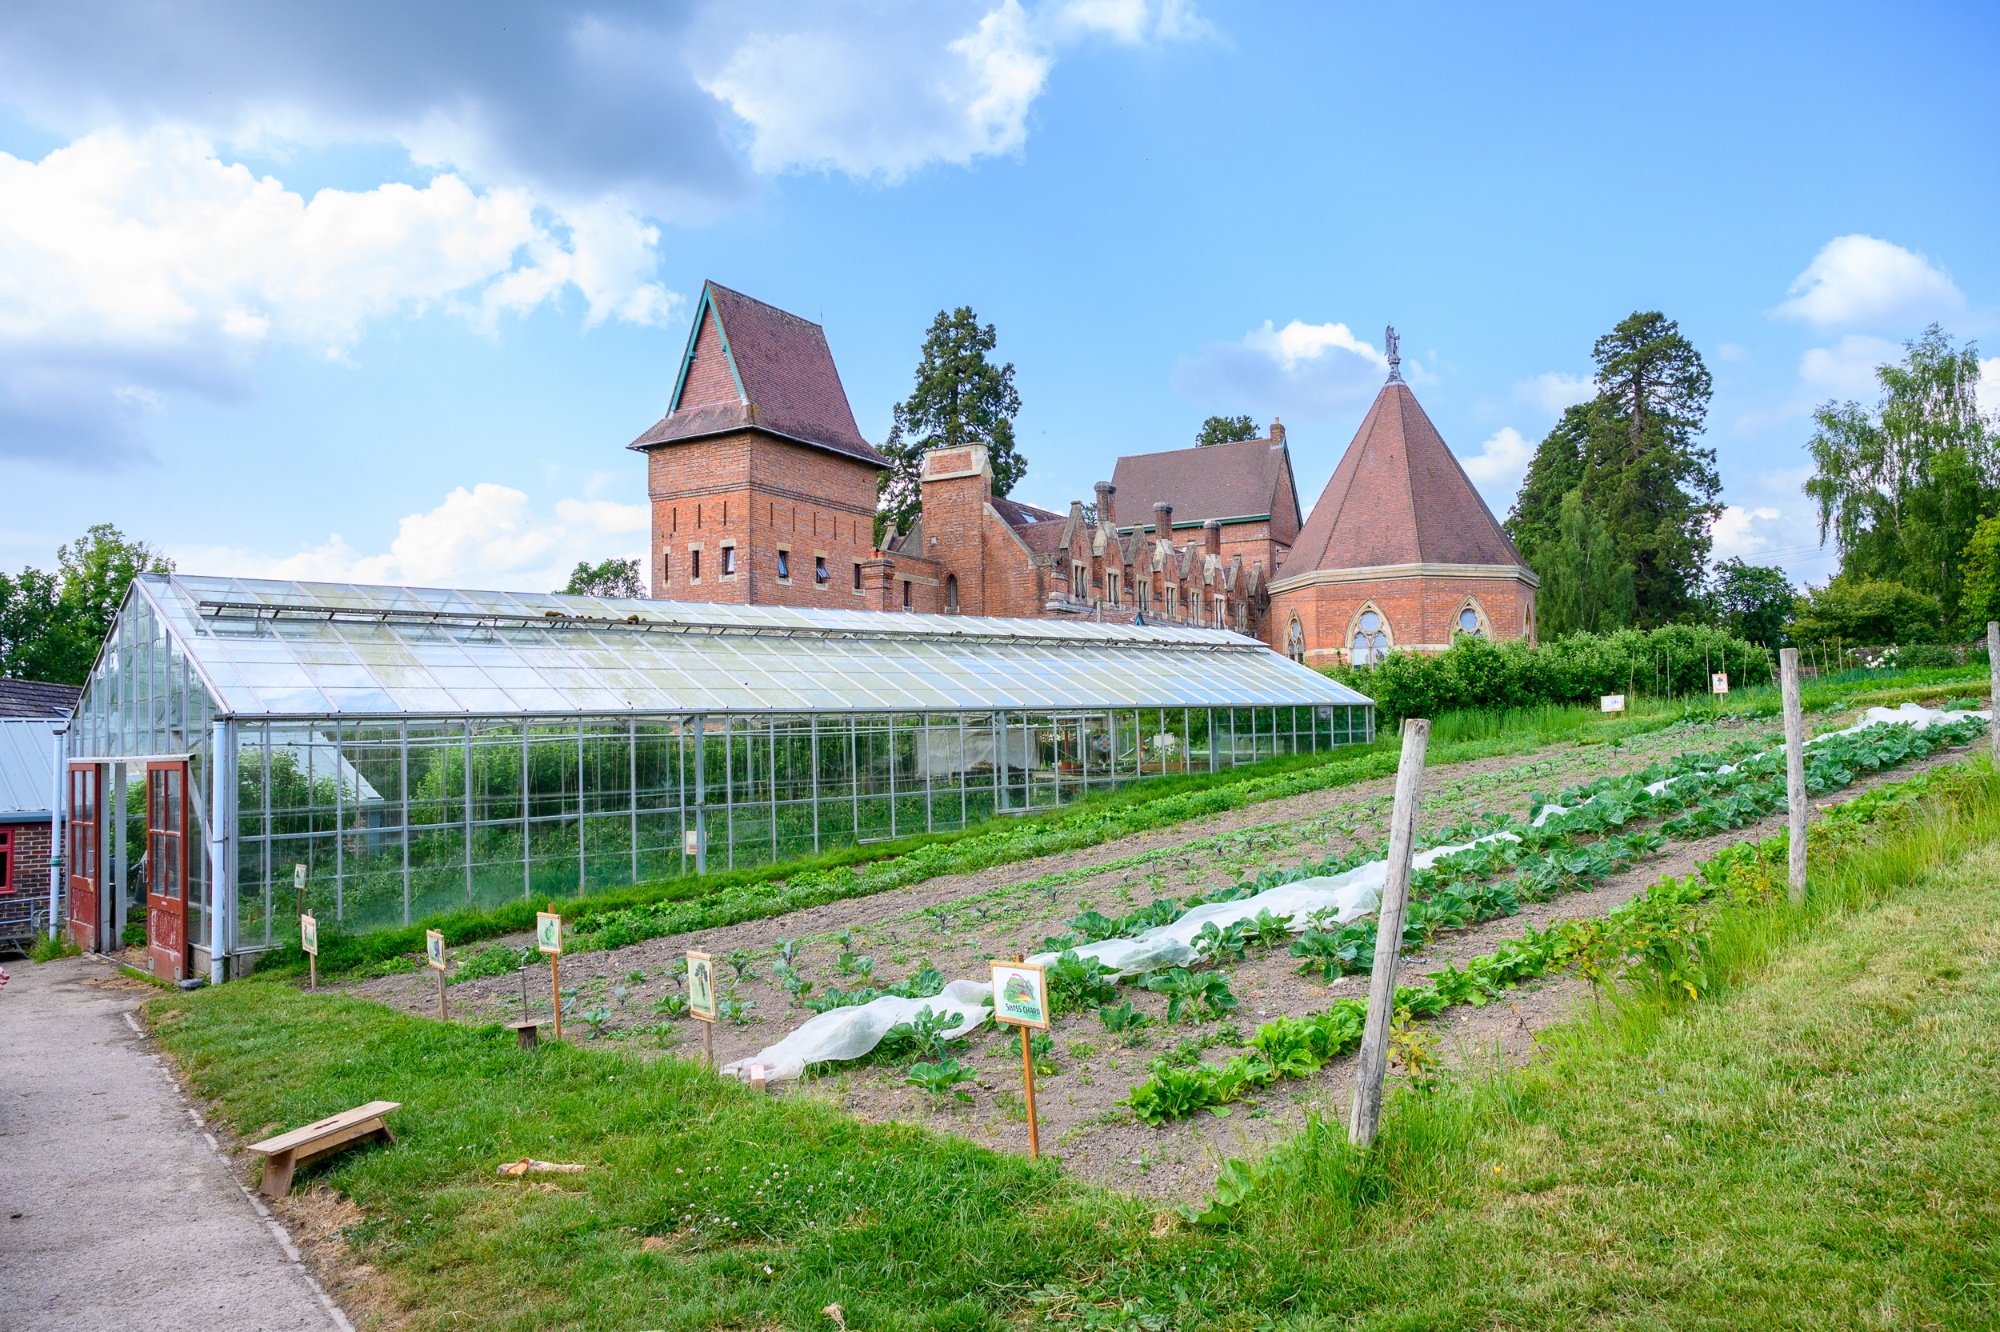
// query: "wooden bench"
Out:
[284,1153]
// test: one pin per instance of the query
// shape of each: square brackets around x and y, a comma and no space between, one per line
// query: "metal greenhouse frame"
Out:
[416,750]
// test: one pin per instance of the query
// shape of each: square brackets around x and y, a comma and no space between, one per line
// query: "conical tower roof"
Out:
[1399,497]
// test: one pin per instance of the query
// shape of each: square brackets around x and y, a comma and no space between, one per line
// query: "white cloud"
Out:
[878,91]
[490,536]
[1846,369]
[1733,533]
[1504,457]
[1862,280]
[131,265]
[1309,370]
[1989,385]
[1554,391]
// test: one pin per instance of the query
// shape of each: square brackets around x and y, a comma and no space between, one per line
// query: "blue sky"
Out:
[382,294]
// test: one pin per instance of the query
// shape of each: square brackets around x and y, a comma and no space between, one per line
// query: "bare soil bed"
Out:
[957,923]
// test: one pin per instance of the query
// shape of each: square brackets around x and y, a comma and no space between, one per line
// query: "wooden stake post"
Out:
[1795,771]
[703,1003]
[309,944]
[1993,685]
[1021,999]
[548,939]
[434,959]
[1365,1113]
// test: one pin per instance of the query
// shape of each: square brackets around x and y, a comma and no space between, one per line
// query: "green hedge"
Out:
[1476,673]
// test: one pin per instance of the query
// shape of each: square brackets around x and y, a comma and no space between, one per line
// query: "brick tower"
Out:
[763,490]
[1400,551]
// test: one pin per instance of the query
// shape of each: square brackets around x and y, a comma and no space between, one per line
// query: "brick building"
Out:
[31,714]
[763,490]
[763,493]
[1400,551]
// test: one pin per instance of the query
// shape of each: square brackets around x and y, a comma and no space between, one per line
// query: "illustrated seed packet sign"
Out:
[309,935]
[1719,682]
[548,931]
[691,842]
[434,949]
[1020,995]
[701,987]
[1612,703]
[298,878]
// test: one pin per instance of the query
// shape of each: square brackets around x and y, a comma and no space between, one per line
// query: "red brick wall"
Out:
[29,858]
[1422,612]
[761,494]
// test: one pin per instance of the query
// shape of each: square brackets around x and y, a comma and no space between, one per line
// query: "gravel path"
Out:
[119,1213]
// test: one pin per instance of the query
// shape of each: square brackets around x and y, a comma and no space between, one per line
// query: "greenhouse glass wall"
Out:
[395,752]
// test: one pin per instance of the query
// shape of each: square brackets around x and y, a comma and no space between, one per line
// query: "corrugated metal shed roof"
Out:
[27,765]
[267,648]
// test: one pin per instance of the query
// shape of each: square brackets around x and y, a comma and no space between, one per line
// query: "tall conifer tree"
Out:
[961,397]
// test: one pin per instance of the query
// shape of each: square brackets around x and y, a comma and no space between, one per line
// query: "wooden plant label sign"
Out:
[309,935]
[1612,703]
[548,932]
[1719,682]
[298,878]
[1021,995]
[434,949]
[701,987]
[691,842]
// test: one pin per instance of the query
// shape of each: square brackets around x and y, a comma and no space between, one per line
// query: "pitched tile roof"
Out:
[784,380]
[34,698]
[1016,514]
[1247,479]
[1398,497]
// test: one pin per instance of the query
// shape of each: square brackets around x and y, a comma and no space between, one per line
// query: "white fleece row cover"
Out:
[850,1032]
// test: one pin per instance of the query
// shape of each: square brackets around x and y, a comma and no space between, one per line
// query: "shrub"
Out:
[1478,673]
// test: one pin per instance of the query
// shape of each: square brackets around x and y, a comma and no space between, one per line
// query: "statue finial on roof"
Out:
[1391,341]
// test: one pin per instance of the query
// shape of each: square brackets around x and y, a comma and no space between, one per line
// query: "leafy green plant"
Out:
[1267,930]
[1079,982]
[922,1036]
[1213,945]
[595,1018]
[942,1078]
[1123,1019]
[1190,997]
[671,1005]
[48,950]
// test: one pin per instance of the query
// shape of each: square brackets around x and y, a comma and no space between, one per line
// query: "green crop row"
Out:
[1658,934]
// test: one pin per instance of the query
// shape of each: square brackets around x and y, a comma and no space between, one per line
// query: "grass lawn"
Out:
[1810,1147]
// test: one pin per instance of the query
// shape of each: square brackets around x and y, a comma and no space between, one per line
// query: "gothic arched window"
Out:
[951,594]
[1370,642]
[1295,641]
[1469,620]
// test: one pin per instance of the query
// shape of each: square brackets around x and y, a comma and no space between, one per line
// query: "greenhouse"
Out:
[395,752]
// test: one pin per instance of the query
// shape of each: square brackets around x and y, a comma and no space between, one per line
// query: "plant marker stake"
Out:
[1993,685]
[442,1015]
[555,985]
[1795,772]
[1365,1112]
[1028,1081]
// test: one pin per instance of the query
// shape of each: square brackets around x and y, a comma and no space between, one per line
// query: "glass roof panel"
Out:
[288,648]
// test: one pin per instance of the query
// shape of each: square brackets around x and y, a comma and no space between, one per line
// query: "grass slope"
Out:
[1811,1148]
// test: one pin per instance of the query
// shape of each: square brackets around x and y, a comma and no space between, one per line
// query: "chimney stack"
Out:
[1277,431]
[1106,514]
[1211,537]
[1163,520]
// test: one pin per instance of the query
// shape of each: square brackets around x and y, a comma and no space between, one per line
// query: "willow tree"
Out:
[1901,487]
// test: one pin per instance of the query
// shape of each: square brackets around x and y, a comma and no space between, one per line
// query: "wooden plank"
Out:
[1372,1065]
[332,1124]
[1796,798]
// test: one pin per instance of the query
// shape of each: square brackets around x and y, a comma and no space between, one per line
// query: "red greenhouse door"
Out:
[166,870]
[82,856]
